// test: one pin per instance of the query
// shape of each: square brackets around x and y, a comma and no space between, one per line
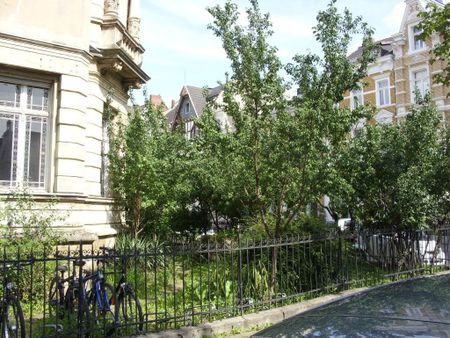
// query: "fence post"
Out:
[241,308]
[80,296]
[341,281]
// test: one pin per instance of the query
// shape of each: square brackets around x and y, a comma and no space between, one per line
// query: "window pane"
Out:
[9,124]
[383,92]
[35,151]
[104,174]
[418,43]
[9,95]
[420,75]
[383,84]
[421,82]
[357,98]
[382,100]
[37,98]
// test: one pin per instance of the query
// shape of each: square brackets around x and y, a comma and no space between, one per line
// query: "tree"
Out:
[436,19]
[396,176]
[278,152]
[276,158]
[146,166]
[322,82]
[254,99]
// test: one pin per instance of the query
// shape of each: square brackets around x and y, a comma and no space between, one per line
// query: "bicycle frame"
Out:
[102,302]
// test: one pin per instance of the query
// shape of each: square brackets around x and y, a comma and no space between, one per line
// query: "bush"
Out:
[25,227]
[153,250]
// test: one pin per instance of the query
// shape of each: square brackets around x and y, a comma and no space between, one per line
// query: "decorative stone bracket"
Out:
[116,61]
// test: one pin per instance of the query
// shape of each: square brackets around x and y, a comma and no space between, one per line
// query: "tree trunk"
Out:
[273,274]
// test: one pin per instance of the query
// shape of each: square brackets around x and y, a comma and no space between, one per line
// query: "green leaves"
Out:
[393,174]
[146,159]
[276,161]
[28,225]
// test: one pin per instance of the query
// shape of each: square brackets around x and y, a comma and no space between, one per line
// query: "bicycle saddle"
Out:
[79,262]
[61,268]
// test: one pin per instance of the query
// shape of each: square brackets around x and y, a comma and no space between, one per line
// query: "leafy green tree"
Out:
[323,126]
[146,162]
[253,98]
[276,157]
[278,151]
[395,176]
[436,19]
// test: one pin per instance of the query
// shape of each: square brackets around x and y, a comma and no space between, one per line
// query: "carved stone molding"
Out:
[112,66]
[134,27]
[111,8]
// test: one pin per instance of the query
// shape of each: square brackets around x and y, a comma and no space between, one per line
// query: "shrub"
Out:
[25,227]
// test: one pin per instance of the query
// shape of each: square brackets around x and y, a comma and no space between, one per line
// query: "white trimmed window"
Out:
[417,43]
[420,82]
[356,98]
[383,93]
[24,118]
[189,129]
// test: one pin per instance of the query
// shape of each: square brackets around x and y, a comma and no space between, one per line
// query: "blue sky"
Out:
[181,50]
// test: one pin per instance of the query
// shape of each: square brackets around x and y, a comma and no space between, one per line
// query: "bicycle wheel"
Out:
[129,311]
[56,299]
[102,305]
[13,322]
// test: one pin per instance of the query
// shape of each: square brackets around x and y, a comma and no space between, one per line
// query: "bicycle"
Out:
[12,320]
[128,309]
[101,299]
[73,301]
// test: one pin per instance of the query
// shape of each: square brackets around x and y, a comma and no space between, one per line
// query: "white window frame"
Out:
[412,82]
[23,112]
[189,129]
[412,39]
[359,93]
[377,92]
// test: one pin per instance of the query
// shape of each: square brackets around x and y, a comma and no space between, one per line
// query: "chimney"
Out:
[173,104]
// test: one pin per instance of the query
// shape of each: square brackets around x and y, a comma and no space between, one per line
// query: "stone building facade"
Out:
[402,65]
[60,62]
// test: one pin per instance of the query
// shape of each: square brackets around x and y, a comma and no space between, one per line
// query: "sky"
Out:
[181,50]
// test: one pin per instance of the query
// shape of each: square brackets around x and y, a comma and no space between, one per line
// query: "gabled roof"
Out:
[384,45]
[197,98]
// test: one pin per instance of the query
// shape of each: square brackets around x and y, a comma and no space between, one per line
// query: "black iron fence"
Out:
[81,291]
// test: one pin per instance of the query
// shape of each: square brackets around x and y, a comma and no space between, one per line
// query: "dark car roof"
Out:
[413,308]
